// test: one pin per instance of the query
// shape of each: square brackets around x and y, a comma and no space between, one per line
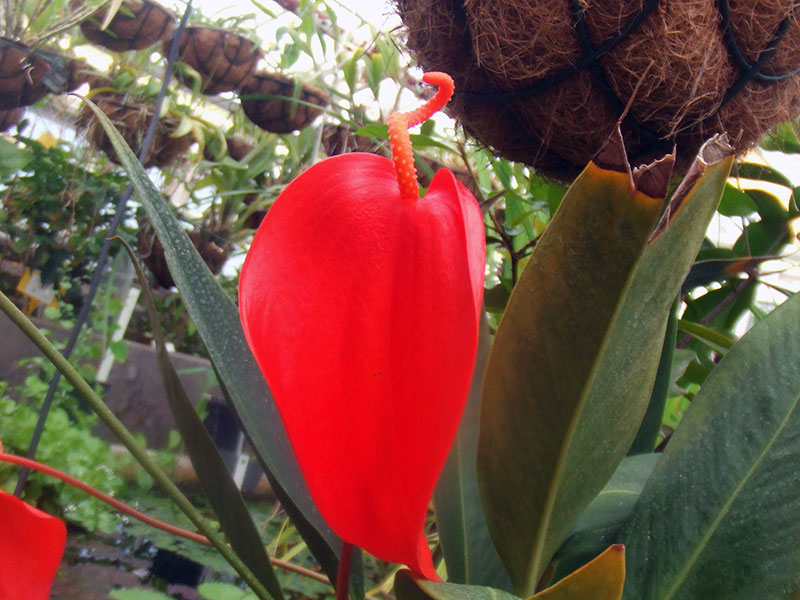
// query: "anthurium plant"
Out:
[524,460]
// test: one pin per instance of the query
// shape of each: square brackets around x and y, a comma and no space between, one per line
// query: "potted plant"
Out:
[212,248]
[136,25]
[28,70]
[22,75]
[128,106]
[279,104]
[10,117]
[220,58]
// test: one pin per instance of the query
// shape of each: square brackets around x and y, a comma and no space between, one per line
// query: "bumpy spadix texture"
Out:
[31,546]
[362,311]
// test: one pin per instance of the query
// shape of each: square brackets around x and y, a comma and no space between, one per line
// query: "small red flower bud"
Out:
[361,302]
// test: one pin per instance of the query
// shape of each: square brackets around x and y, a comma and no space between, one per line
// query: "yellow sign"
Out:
[30,284]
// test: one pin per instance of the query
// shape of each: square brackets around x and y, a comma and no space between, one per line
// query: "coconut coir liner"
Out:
[545,81]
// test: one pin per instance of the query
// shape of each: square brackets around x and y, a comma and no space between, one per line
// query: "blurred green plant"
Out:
[56,211]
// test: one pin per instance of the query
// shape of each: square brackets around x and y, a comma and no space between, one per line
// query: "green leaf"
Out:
[377,131]
[13,158]
[783,139]
[350,71]
[601,579]
[599,524]
[762,238]
[217,321]
[577,350]
[420,141]
[137,594]
[544,354]
[762,173]
[463,534]
[718,342]
[735,203]
[768,205]
[216,480]
[719,517]
[119,349]
[408,587]
[111,12]
[213,590]
[650,428]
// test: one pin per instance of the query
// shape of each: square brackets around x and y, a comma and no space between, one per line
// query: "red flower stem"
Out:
[124,508]
[343,575]
[132,512]
[398,123]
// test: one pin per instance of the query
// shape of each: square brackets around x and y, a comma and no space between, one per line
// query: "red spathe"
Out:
[31,546]
[362,311]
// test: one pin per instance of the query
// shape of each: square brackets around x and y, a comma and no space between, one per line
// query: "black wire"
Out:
[647,136]
[586,61]
[104,251]
[751,71]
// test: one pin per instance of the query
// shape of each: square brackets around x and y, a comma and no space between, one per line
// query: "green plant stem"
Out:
[132,512]
[125,436]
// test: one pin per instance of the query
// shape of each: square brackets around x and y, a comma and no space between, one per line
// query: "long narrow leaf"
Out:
[468,551]
[217,483]
[218,323]
[647,436]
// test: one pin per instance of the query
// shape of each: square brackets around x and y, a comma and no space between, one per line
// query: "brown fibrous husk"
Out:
[21,75]
[225,60]
[340,139]
[213,252]
[268,100]
[136,25]
[236,148]
[131,119]
[10,117]
[672,72]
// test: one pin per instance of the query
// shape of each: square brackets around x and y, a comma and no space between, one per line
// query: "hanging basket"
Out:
[225,60]
[545,81]
[136,25]
[213,252]
[131,119]
[340,139]
[22,75]
[77,73]
[10,117]
[270,101]
[236,148]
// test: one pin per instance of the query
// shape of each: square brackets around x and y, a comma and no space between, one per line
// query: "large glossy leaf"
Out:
[409,587]
[575,357]
[544,354]
[217,321]
[600,579]
[468,551]
[720,515]
[216,480]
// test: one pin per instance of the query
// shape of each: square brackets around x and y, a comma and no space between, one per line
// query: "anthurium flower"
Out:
[31,545]
[360,301]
